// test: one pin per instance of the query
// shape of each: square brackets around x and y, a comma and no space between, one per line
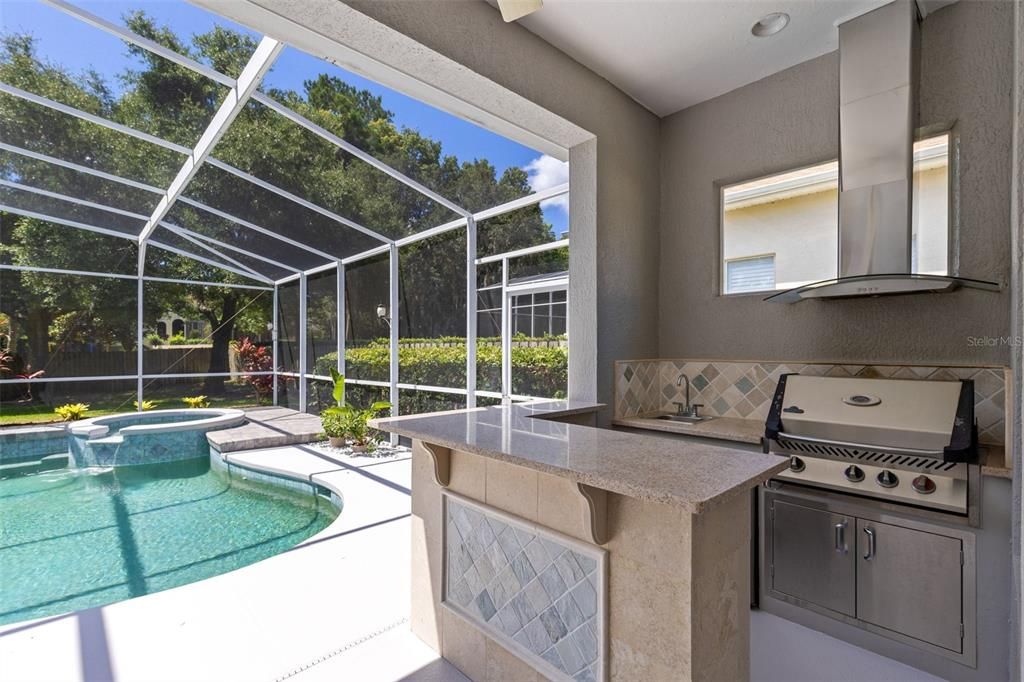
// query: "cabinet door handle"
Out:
[870,553]
[840,529]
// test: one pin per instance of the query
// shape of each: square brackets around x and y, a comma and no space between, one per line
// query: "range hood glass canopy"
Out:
[879,285]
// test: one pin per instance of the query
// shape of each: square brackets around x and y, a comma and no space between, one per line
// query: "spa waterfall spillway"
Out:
[146,437]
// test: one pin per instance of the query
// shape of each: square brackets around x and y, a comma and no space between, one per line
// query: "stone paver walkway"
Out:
[268,427]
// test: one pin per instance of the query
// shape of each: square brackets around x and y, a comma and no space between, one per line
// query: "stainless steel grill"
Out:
[903,441]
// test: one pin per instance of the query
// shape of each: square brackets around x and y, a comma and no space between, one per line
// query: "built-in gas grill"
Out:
[903,441]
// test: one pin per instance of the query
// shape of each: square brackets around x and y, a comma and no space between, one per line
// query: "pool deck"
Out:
[334,602]
[268,427]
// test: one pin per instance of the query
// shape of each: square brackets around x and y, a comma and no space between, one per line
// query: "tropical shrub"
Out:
[146,405]
[153,340]
[196,401]
[253,358]
[178,340]
[71,411]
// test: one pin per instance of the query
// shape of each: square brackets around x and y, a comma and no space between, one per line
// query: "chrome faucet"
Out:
[686,409]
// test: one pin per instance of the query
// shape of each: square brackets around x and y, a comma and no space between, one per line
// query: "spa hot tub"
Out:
[146,437]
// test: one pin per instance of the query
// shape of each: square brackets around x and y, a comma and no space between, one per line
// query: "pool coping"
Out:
[276,474]
[221,418]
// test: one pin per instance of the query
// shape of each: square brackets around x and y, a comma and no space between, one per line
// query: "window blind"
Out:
[750,274]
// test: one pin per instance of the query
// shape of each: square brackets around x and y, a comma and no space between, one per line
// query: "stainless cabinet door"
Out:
[910,581]
[813,556]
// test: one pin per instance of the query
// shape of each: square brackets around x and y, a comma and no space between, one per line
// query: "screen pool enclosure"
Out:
[269,195]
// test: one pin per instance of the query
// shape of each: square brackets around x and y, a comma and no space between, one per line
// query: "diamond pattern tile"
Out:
[535,591]
[744,389]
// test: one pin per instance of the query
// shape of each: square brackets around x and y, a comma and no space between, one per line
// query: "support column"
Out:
[273,342]
[506,336]
[139,370]
[302,341]
[341,319]
[393,339]
[471,316]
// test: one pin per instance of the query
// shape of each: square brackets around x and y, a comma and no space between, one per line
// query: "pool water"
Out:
[72,539]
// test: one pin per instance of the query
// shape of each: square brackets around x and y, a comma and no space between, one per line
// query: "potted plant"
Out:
[343,422]
[357,428]
[334,426]
[333,418]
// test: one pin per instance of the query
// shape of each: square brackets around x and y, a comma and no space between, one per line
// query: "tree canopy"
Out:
[162,98]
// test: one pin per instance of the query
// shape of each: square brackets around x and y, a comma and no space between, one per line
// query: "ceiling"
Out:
[671,54]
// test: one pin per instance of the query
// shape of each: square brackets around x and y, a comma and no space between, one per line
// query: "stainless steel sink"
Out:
[682,419]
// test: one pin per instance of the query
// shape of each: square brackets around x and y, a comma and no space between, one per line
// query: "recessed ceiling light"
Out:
[770,24]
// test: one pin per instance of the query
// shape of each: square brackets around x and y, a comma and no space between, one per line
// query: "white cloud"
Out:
[545,172]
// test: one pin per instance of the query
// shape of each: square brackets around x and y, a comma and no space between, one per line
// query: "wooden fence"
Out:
[173,360]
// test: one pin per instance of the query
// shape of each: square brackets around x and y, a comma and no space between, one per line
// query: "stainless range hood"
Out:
[877,112]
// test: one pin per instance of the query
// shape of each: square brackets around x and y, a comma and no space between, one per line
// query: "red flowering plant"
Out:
[254,358]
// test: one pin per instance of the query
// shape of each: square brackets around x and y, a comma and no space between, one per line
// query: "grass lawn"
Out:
[112,402]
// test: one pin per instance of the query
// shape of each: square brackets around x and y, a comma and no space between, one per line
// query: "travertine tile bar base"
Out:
[678,592]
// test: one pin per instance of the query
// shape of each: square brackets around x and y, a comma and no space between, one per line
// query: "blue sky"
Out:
[63,40]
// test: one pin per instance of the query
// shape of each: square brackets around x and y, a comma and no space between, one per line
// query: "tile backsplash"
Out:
[744,389]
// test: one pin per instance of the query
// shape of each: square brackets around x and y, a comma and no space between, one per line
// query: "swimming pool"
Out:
[135,438]
[73,539]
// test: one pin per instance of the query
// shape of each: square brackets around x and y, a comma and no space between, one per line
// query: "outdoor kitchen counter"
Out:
[692,476]
[544,548]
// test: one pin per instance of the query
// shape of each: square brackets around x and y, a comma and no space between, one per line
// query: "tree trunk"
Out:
[222,335]
[38,331]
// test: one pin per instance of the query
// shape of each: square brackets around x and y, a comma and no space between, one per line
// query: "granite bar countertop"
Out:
[692,476]
[721,428]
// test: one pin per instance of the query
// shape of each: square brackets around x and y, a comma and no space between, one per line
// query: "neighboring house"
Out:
[782,231]
[538,306]
[171,324]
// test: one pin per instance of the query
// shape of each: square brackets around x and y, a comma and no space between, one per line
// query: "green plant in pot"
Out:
[342,422]
[333,419]
[357,428]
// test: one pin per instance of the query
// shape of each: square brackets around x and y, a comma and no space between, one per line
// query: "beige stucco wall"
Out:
[966,64]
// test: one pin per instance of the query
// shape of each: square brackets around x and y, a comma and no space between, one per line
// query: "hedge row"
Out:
[537,371]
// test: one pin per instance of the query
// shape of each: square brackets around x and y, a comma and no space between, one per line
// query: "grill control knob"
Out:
[854,474]
[923,485]
[887,479]
[796,465]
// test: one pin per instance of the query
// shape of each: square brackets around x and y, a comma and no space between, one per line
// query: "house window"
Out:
[794,217]
[750,274]
[539,314]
